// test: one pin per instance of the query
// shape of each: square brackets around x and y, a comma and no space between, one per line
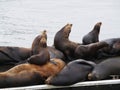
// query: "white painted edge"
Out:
[80,84]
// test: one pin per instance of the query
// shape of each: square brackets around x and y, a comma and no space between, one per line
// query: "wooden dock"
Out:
[87,85]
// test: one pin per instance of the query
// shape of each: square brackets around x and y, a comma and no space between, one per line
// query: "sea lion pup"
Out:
[92,36]
[89,51]
[106,68]
[29,74]
[62,42]
[39,48]
[112,50]
[74,72]
[12,55]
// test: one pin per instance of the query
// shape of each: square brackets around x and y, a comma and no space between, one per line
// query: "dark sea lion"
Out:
[62,42]
[106,68]
[89,51]
[112,50]
[40,54]
[75,71]
[92,36]
[29,74]
[13,55]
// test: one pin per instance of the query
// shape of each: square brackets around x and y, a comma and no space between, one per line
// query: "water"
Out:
[22,20]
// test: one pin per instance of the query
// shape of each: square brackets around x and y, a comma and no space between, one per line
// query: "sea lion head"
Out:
[39,42]
[44,34]
[97,26]
[42,40]
[66,30]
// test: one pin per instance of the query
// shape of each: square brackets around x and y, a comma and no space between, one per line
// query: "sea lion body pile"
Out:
[55,65]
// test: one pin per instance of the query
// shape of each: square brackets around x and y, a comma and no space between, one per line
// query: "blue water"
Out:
[22,20]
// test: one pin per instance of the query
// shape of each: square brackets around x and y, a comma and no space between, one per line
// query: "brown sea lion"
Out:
[75,71]
[112,50]
[29,74]
[106,68]
[89,51]
[92,36]
[62,42]
[12,55]
[54,53]
[40,54]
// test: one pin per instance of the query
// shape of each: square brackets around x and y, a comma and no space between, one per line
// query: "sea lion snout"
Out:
[99,23]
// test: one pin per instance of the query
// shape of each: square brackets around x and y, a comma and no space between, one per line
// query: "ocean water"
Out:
[22,20]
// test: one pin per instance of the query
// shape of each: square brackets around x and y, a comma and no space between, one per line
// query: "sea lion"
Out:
[92,36]
[29,74]
[54,53]
[75,71]
[106,68]
[40,54]
[89,51]
[112,50]
[62,42]
[12,55]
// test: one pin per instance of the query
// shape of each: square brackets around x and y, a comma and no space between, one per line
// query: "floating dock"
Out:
[87,85]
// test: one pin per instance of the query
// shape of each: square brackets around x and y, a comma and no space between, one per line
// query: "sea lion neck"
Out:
[43,43]
[44,34]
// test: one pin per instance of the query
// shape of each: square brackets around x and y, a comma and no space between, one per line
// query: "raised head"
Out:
[44,34]
[97,26]
[66,30]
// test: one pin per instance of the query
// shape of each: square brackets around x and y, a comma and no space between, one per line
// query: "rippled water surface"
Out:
[22,20]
